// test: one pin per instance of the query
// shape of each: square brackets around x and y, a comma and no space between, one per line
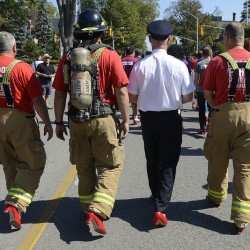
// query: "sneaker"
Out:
[136,119]
[240,225]
[15,216]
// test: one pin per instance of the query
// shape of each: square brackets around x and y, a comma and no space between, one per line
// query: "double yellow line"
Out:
[30,240]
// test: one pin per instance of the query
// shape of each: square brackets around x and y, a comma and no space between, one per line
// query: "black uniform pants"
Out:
[162,136]
[202,109]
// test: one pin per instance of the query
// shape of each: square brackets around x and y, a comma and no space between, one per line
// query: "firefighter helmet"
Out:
[90,24]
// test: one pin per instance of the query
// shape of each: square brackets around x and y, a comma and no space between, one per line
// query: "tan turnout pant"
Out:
[99,157]
[22,155]
[229,136]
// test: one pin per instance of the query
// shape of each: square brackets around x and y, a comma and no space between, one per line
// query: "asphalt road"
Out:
[55,220]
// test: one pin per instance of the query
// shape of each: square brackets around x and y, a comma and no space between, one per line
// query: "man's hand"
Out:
[60,131]
[125,128]
[48,129]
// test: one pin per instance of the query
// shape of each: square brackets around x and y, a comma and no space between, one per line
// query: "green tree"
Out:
[244,12]
[30,48]
[13,14]
[44,29]
[133,15]
[183,14]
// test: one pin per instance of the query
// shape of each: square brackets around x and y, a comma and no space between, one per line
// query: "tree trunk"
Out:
[67,12]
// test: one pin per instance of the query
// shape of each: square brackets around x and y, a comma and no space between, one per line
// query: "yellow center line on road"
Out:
[31,238]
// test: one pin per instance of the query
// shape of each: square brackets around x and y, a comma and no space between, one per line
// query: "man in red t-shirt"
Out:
[95,147]
[128,62]
[21,149]
[226,88]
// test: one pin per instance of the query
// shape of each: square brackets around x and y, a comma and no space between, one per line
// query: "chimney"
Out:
[234,15]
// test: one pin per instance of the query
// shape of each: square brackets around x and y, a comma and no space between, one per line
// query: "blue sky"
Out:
[227,7]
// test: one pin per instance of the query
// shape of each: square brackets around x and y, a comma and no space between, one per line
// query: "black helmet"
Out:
[90,24]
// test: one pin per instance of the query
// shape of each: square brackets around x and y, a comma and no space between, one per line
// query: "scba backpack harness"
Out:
[81,76]
[6,83]
[236,66]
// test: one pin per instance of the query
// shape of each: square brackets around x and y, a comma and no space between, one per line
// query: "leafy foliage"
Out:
[183,14]
[30,48]
[44,29]
[127,14]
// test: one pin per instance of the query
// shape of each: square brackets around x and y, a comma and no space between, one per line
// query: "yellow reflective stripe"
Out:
[89,28]
[21,191]
[86,198]
[230,59]
[8,70]
[248,64]
[241,206]
[21,194]
[218,195]
[102,197]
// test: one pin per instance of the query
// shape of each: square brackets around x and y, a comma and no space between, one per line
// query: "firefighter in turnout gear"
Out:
[226,84]
[93,76]
[21,149]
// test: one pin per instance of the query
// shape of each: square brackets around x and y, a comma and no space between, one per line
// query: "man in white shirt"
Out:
[160,84]
[36,62]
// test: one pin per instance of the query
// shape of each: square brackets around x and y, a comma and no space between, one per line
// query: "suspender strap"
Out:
[231,60]
[235,79]
[6,86]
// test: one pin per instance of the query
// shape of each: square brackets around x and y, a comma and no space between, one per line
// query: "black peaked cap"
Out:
[160,29]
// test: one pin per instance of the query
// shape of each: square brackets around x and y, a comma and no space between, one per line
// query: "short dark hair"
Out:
[207,52]
[130,50]
[247,44]
[176,51]
[235,31]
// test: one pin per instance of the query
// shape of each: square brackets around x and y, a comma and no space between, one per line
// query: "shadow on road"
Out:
[70,220]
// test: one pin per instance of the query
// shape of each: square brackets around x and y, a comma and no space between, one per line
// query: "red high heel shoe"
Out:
[160,219]
[96,222]
[15,216]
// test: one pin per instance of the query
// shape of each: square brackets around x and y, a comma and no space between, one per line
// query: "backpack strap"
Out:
[94,47]
[6,84]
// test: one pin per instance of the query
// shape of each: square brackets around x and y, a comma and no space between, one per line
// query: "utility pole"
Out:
[197,29]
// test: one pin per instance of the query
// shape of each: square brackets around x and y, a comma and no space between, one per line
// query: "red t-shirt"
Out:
[193,63]
[110,72]
[24,85]
[218,77]
[128,63]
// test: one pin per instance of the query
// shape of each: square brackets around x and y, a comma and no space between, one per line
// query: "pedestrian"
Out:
[138,54]
[46,72]
[160,84]
[95,146]
[21,149]
[247,44]
[226,88]
[177,51]
[198,72]
[128,62]
[36,62]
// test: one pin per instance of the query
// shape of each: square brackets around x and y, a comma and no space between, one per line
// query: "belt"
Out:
[159,112]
